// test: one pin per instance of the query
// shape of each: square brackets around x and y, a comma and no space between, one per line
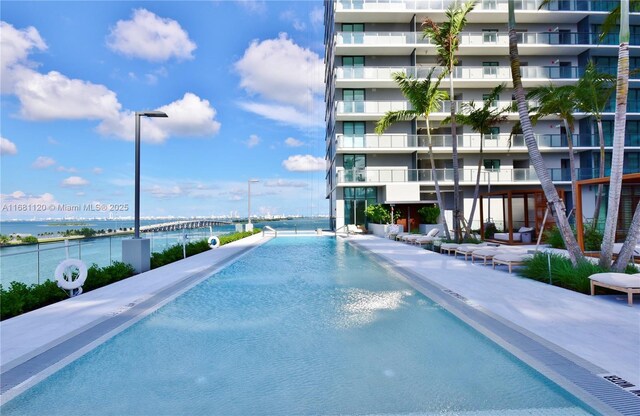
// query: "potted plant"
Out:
[379,217]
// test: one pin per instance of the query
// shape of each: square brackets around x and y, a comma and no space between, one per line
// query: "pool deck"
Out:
[602,330]
[26,338]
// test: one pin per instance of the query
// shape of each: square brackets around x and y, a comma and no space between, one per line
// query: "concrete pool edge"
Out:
[27,370]
[576,375]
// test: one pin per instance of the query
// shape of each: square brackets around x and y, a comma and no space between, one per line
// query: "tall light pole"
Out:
[137,251]
[250,181]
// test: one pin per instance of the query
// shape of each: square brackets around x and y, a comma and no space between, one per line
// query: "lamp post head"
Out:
[151,114]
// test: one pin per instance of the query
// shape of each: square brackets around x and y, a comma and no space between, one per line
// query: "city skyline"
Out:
[241,82]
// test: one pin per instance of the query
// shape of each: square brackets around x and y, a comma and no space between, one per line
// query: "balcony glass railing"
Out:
[381,107]
[467,176]
[497,141]
[481,38]
[466,72]
[529,5]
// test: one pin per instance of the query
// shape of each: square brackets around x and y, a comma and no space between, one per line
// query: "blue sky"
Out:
[241,81]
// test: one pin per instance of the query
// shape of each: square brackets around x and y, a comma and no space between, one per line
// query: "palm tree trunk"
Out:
[629,243]
[437,184]
[615,178]
[476,191]
[454,151]
[572,164]
[558,209]
[596,211]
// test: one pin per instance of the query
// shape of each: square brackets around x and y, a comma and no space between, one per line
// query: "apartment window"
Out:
[489,35]
[354,132]
[493,133]
[492,164]
[353,66]
[490,68]
[353,101]
[489,4]
[485,97]
[356,201]
[354,166]
[631,162]
[354,32]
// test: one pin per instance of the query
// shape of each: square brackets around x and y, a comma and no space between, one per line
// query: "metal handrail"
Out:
[267,228]
[346,227]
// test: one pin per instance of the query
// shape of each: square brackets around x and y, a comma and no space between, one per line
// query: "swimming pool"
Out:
[298,326]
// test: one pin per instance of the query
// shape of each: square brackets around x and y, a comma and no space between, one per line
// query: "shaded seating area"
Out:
[621,282]
[523,214]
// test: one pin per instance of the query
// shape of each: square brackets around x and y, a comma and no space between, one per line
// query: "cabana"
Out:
[629,198]
[531,198]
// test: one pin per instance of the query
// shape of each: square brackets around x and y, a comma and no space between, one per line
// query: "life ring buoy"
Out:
[214,242]
[64,276]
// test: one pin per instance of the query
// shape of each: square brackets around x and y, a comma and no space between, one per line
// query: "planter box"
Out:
[381,230]
[425,228]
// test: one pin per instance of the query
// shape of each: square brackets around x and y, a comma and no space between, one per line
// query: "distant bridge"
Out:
[182,225]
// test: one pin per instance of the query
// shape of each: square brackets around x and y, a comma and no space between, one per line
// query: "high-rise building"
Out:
[367,41]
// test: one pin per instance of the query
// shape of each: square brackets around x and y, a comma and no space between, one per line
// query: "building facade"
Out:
[366,41]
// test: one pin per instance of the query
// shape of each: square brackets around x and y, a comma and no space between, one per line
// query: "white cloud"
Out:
[73,181]
[290,16]
[54,96]
[316,16]
[97,171]
[253,6]
[162,192]
[304,163]
[52,141]
[66,169]
[291,142]
[150,37]
[43,162]
[284,114]
[253,141]
[280,70]
[7,147]
[190,116]
[283,183]
[22,198]
[16,46]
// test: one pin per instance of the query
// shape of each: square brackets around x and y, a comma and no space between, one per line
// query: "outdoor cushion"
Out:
[628,283]
[433,232]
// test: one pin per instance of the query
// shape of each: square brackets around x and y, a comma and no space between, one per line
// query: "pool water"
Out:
[298,326]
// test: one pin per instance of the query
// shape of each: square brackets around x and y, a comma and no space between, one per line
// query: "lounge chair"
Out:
[449,248]
[353,229]
[467,249]
[400,235]
[410,238]
[485,254]
[622,282]
[510,259]
[428,238]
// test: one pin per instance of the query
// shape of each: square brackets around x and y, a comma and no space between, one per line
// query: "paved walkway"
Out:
[602,330]
[27,335]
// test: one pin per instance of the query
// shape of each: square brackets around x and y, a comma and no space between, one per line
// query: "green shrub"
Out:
[20,298]
[563,273]
[429,214]
[592,239]
[378,214]
[29,240]
[490,230]
[553,237]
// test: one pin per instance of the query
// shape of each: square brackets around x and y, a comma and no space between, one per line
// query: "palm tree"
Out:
[558,101]
[617,156]
[592,92]
[557,206]
[446,38]
[481,120]
[425,98]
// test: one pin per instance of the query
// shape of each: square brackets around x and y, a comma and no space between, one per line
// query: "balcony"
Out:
[374,110]
[482,5]
[401,143]
[464,76]
[398,43]
[467,176]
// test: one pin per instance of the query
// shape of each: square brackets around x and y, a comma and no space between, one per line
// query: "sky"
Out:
[240,80]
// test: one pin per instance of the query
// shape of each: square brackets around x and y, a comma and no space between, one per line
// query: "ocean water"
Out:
[298,326]
[37,263]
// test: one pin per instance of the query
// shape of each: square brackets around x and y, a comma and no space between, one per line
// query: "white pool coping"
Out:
[600,330]
[25,336]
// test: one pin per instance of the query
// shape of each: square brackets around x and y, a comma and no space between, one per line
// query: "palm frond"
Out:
[392,117]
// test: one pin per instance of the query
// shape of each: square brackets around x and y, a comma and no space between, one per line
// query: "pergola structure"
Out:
[540,208]
[630,181]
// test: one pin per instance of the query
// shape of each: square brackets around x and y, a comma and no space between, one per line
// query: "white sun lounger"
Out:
[449,248]
[427,238]
[467,249]
[622,282]
[510,259]
[485,254]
